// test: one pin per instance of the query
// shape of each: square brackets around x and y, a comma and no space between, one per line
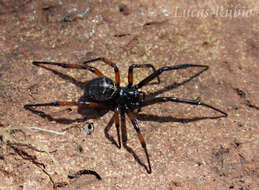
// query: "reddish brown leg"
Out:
[130,73]
[58,104]
[141,139]
[106,61]
[125,139]
[70,66]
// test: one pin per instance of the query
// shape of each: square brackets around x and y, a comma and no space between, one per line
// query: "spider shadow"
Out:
[165,119]
[86,112]
[175,84]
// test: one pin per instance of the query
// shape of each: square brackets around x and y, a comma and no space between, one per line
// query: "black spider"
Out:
[102,92]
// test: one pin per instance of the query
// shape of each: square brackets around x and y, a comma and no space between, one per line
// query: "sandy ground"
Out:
[194,154]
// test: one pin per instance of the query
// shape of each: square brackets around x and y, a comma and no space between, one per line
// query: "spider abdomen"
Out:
[100,89]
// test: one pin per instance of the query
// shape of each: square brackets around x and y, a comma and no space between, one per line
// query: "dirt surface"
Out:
[185,153]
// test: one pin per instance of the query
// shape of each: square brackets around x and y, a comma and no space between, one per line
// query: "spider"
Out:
[102,92]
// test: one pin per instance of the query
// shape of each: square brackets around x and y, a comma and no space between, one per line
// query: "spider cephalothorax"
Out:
[106,93]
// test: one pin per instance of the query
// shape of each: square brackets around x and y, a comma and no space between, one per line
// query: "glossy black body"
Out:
[103,89]
[100,89]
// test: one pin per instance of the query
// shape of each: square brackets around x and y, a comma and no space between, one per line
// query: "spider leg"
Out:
[59,104]
[130,73]
[159,71]
[70,66]
[124,142]
[180,100]
[108,62]
[117,125]
[141,140]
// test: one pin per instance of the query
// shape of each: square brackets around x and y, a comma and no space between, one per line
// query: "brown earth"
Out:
[203,154]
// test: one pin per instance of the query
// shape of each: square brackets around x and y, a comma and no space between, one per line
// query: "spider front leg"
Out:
[108,62]
[181,100]
[159,71]
[70,66]
[130,72]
